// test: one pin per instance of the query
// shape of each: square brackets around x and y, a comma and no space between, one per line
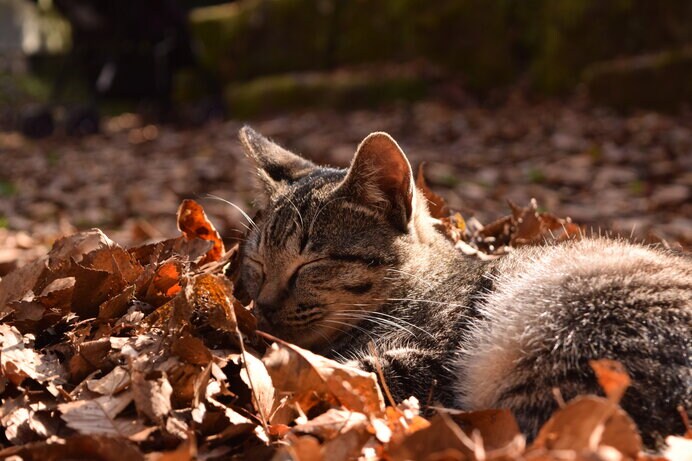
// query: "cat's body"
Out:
[342,259]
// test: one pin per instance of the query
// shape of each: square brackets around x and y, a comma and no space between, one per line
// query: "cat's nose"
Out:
[268,315]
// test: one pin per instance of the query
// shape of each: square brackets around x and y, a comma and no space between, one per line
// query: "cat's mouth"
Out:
[297,330]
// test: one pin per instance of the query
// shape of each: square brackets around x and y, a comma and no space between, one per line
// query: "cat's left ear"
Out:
[276,165]
[380,176]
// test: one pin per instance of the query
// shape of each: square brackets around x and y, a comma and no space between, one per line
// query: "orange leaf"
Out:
[436,204]
[612,377]
[193,223]
[167,277]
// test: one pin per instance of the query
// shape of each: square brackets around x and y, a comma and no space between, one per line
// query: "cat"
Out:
[339,259]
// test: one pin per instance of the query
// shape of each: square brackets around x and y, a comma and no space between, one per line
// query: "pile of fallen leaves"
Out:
[524,226]
[145,353]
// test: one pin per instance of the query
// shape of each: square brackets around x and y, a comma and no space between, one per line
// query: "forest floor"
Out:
[628,174]
[146,354]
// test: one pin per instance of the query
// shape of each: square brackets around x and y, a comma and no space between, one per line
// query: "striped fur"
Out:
[341,260]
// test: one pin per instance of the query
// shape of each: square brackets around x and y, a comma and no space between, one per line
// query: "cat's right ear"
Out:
[276,166]
[380,176]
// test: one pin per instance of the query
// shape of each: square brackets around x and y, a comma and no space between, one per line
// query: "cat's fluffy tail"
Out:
[553,309]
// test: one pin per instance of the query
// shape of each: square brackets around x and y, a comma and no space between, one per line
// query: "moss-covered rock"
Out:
[571,34]
[488,42]
[254,37]
[471,37]
[341,90]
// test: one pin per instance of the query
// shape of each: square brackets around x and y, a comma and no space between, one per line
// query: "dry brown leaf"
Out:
[612,377]
[194,224]
[81,447]
[35,313]
[587,422]
[116,380]
[497,428]
[306,374]
[442,438]
[25,420]
[73,248]
[305,448]
[117,305]
[19,362]
[334,422]
[404,419]
[255,376]
[186,451]
[18,283]
[209,298]
[166,280]
[345,447]
[191,349]
[436,204]
[99,416]
[152,395]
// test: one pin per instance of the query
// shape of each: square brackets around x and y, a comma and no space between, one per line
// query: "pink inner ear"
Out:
[385,158]
[381,162]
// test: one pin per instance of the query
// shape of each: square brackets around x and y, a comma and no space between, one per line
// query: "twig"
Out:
[260,410]
[378,367]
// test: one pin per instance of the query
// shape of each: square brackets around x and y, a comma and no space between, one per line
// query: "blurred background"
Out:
[113,111]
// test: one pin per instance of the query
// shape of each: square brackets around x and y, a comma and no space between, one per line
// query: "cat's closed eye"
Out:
[254,275]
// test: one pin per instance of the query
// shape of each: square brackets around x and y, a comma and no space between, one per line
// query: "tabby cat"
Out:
[342,258]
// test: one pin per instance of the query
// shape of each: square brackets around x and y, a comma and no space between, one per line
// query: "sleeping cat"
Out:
[339,259]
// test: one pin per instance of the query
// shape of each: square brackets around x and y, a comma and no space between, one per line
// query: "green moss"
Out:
[536,175]
[253,38]
[488,43]
[7,188]
[341,91]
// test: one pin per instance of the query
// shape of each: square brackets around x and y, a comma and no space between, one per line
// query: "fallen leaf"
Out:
[587,422]
[255,375]
[77,447]
[442,437]
[612,377]
[333,423]
[497,428]
[115,381]
[99,416]
[152,395]
[193,223]
[186,451]
[19,362]
[437,206]
[166,279]
[305,374]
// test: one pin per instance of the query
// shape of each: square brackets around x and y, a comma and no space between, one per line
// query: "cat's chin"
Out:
[306,337]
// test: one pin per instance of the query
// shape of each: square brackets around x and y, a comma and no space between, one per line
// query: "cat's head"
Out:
[326,240]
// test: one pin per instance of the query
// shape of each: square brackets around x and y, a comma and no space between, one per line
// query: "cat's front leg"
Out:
[408,372]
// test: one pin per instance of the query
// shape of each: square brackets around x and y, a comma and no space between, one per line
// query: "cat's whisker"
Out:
[388,316]
[300,216]
[414,276]
[444,303]
[375,320]
[242,212]
[340,330]
[348,325]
